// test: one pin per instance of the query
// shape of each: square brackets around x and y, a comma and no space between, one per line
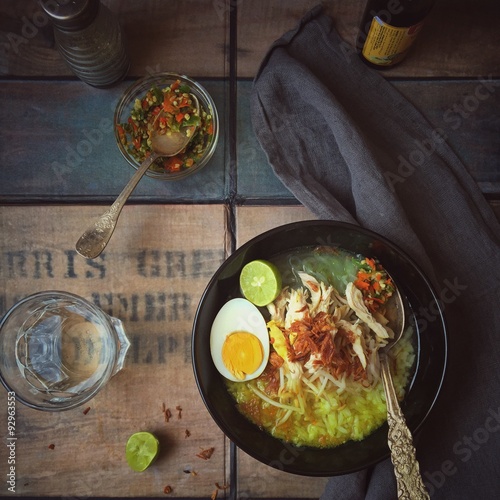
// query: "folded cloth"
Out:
[351,148]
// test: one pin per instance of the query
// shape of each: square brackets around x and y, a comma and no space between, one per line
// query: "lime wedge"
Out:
[260,282]
[141,450]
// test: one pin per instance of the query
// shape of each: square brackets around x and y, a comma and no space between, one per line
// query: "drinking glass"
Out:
[57,350]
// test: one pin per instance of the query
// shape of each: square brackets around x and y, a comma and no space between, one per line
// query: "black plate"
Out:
[430,366]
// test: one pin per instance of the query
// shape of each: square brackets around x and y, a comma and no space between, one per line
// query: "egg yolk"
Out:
[242,353]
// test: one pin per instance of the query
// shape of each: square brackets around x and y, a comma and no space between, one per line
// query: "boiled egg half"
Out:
[239,341]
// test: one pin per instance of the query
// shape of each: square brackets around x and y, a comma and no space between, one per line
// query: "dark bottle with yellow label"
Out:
[389,28]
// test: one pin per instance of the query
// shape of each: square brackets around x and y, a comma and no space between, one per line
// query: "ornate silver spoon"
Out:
[406,468]
[94,240]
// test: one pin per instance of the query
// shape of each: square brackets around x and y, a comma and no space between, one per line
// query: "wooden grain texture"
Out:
[187,37]
[151,276]
[252,221]
[55,152]
[470,124]
[58,143]
[257,480]
[447,46]
[192,37]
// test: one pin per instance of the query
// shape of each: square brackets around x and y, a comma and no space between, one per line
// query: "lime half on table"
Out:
[141,450]
[260,282]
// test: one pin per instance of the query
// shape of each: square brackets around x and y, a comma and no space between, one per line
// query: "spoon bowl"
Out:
[172,143]
[164,144]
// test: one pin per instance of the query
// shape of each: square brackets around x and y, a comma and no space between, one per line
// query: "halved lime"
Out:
[141,450]
[260,282]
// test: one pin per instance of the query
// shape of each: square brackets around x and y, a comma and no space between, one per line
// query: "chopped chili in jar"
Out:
[179,112]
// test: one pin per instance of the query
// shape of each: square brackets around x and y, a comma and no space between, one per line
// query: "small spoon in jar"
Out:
[94,240]
[406,468]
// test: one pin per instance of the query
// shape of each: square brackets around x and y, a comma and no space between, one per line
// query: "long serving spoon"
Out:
[94,240]
[406,468]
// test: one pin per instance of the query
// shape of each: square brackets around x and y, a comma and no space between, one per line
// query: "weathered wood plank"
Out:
[470,123]
[469,114]
[459,39]
[187,37]
[58,143]
[252,221]
[452,35]
[151,276]
[52,151]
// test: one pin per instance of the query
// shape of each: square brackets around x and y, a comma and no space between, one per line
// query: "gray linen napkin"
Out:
[351,148]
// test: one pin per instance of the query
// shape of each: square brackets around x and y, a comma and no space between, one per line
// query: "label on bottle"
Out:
[386,45]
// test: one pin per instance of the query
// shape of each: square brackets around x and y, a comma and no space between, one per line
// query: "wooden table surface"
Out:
[171,237]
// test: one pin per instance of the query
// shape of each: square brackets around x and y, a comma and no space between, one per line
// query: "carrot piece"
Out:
[168,107]
[370,262]
[363,285]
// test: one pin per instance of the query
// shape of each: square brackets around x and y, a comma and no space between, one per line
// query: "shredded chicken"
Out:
[355,300]
[296,307]
[315,292]
[315,327]
[356,339]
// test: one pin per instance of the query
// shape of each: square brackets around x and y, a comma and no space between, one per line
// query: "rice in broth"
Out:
[322,384]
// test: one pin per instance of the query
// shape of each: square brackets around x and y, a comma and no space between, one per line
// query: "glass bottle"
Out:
[389,28]
[90,40]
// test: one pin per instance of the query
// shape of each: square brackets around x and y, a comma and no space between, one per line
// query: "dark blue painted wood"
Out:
[468,111]
[471,124]
[57,144]
[255,179]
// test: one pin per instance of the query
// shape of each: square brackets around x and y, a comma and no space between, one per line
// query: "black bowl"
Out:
[431,348]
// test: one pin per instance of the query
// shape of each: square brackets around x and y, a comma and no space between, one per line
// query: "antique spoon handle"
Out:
[94,240]
[409,481]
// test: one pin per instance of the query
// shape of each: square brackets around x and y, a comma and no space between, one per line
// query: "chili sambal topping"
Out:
[179,112]
[168,414]
[206,454]
[320,342]
[375,284]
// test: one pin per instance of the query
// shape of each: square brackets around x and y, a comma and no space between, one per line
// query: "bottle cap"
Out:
[71,15]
